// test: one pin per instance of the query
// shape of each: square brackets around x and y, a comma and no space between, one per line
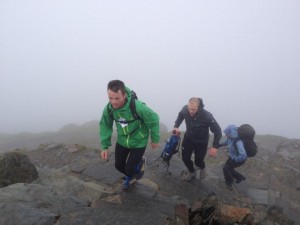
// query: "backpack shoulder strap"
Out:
[132,107]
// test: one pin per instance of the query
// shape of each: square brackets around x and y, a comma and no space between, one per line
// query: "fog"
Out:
[241,57]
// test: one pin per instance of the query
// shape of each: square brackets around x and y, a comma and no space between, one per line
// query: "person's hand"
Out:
[176,131]
[104,154]
[212,152]
[154,145]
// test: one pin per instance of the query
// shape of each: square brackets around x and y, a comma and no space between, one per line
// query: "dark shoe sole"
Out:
[139,175]
[127,189]
[189,178]
[240,180]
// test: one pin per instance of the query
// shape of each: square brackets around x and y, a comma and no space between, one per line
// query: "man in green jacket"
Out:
[132,131]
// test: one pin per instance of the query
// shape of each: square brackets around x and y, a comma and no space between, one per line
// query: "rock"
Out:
[16,167]
[276,216]
[259,196]
[285,154]
[235,214]
[29,204]
[212,210]
[298,185]
[182,214]
[75,186]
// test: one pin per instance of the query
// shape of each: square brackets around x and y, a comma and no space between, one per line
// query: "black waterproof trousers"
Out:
[230,173]
[126,160]
[199,150]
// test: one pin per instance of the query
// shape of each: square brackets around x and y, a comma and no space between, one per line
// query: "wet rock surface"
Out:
[16,167]
[75,186]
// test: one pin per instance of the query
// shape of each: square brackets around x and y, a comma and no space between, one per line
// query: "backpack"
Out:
[171,147]
[131,106]
[246,133]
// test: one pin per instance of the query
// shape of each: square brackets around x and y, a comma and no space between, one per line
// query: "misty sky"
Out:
[241,57]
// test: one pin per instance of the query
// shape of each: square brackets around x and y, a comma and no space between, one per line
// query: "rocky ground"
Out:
[75,186]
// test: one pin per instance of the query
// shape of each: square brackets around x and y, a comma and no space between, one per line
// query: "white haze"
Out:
[241,57]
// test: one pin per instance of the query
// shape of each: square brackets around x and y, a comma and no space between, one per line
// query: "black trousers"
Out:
[229,171]
[126,160]
[199,150]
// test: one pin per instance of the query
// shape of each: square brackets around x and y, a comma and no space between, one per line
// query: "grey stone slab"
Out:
[259,196]
[273,197]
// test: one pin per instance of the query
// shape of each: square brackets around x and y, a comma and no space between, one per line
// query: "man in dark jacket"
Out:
[198,122]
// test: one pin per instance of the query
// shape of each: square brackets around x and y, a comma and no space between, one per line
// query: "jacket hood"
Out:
[128,91]
[129,95]
[231,131]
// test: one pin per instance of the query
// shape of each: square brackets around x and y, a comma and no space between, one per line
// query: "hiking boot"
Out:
[140,168]
[202,173]
[239,180]
[127,185]
[190,176]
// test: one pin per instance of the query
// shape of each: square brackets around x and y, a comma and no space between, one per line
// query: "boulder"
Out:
[16,167]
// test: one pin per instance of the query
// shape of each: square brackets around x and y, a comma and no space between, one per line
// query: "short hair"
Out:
[116,85]
[197,100]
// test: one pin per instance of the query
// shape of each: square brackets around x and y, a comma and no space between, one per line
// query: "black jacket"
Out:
[197,127]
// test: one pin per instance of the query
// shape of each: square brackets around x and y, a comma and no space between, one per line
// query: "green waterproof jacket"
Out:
[134,134]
